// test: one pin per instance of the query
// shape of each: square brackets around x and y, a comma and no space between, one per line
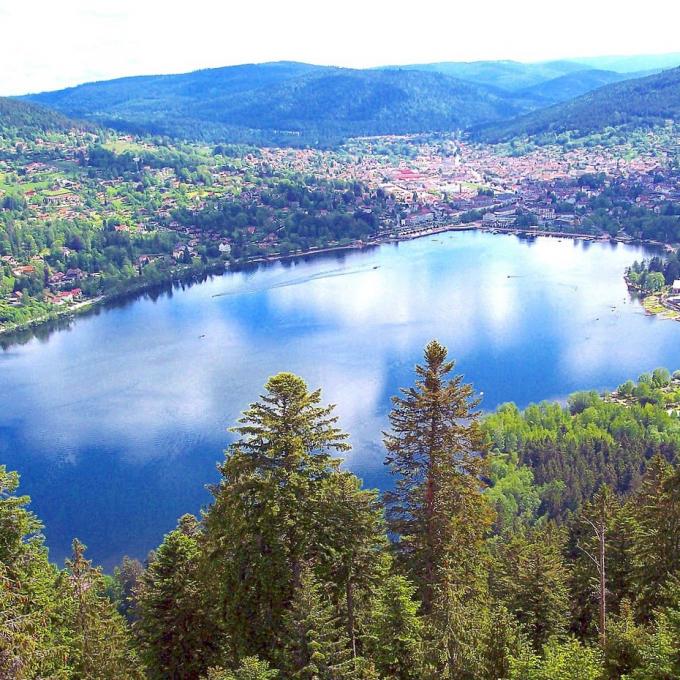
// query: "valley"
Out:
[338,372]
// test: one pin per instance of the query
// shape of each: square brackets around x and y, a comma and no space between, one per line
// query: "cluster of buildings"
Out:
[413,185]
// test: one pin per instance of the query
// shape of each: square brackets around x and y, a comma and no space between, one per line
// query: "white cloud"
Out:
[47,44]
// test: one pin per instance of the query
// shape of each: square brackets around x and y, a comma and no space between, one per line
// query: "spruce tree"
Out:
[659,654]
[314,642]
[530,578]
[54,624]
[174,630]
[100,644]
[657,541]
[437,509]
[274,511]
[396,637]
[350,557]
[34,635]
[505,640]
[459,627]
[625,640]
[434,451]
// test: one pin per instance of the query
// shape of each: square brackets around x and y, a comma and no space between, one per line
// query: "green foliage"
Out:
[659,653]
[299,214]
[397,631]
[432,451]
[562,660]
[315,645]
[603,517]
[656,555]
[437,509]
[571,451]
[100,644]
[283,503]
[287,103]
[642,102]
[175,634]
[30,118]
[625,640]
[512,492]
[27,644]
[530,578]
[251,668]
[291,574]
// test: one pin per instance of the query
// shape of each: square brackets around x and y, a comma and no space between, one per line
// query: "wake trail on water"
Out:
[329,274]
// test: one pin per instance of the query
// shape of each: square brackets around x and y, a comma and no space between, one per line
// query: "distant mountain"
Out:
[641,102]
[287,101]
[507,75]
[296,103]
[635,63]
[23,116]
[575,84]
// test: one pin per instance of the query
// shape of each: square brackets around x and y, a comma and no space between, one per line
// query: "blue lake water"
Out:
[117,422]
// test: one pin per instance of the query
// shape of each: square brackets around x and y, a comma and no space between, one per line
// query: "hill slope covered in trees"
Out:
[574,84]
[297,103]
[24,116]
[504,74]
[286,101]
[641,102]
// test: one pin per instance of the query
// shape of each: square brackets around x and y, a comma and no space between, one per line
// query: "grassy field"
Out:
[653,304]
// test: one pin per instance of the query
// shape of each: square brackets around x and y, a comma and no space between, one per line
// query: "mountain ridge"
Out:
[640,102]
[287,98]
[295,103]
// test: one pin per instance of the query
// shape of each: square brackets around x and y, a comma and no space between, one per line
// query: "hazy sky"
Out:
[48,44]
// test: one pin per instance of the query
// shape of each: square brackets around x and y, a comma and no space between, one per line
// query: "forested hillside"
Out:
[540,545]
[642,102]
[504,74]
[294,103]
[30,118]
[573,85]
[286,102]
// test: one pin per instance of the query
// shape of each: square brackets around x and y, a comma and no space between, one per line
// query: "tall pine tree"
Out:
[437,510]
[32,641]
[279,504]
[657,540]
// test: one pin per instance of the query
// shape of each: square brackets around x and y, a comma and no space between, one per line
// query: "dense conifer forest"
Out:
[525,545]
[301,104]
[641,102]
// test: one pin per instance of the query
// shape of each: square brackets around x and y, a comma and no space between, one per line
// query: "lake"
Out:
[117,422]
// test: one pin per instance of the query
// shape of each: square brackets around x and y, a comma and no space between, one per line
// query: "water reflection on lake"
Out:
[116,422]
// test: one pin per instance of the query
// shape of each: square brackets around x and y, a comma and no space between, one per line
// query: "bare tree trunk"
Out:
[603,587]
[349,590]
[600,532]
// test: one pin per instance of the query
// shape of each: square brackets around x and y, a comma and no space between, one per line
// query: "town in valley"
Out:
[87,214]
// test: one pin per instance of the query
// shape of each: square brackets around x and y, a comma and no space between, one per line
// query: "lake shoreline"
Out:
[655,304]
[134,398]
[89,305]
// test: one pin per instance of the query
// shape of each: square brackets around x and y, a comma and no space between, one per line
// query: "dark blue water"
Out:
[116,423]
